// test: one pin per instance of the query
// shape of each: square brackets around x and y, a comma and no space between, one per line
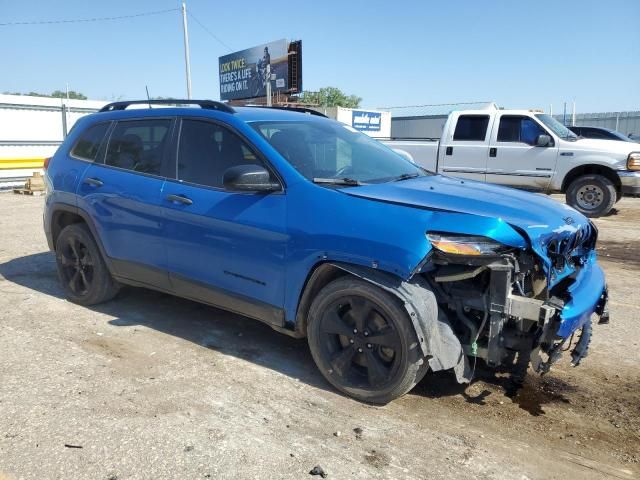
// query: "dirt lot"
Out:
[151,386]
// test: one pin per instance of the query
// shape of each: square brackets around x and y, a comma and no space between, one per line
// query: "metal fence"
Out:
[627,123]
[31,129]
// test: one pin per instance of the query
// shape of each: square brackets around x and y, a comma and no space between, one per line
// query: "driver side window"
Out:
[207,150]
[520,129]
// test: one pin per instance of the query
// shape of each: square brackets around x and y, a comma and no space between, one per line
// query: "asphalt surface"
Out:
[149,386]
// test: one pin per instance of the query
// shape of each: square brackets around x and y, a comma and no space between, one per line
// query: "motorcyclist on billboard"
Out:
[262,67]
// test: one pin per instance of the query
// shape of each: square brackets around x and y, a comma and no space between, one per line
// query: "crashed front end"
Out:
[515,306]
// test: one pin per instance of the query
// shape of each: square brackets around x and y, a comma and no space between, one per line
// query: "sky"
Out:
[519,54]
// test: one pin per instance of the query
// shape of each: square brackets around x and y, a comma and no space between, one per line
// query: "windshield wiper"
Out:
[338,181]
[405,176]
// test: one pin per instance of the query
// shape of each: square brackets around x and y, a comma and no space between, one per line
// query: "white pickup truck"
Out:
[530,150]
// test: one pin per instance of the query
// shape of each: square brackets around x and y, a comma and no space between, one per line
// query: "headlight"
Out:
[465,244]
[633,161]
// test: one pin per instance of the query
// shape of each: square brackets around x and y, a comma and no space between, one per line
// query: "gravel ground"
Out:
[152,386]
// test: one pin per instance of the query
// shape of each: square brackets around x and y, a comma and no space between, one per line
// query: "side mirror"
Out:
[249,178]
[543,141]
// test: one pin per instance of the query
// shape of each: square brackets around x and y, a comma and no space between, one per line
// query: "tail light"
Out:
[46,163]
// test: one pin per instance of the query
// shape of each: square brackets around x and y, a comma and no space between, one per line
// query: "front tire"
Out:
[81,269]
[363,342]
[592,195]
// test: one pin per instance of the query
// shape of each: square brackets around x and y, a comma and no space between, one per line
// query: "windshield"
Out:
[325,151]
[556,127]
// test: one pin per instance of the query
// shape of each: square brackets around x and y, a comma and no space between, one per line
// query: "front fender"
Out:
[569,162]
[327,225]
[434,334]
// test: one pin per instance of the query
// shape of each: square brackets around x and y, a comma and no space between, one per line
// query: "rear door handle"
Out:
[179,199]
[94,182]
[493,151]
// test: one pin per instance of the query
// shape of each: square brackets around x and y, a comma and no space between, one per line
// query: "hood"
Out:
[537,216]
[610,146]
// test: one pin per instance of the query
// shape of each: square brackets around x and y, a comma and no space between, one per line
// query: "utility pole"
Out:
[64,107]
[187,62]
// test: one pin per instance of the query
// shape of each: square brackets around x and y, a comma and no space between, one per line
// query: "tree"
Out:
[330,97]
[72,95]
[57,94]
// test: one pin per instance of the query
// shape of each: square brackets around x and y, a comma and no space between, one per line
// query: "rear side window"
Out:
[138,145]
[89,142]
[206,150]
[471,127]
[520,129]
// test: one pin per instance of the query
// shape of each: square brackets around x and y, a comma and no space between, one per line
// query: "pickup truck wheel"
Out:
[81,269]
[592,195]
[363,342]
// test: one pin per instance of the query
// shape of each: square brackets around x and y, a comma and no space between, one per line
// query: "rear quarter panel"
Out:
[63,174]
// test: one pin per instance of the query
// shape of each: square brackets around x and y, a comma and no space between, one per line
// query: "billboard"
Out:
[366,121]
[243,74]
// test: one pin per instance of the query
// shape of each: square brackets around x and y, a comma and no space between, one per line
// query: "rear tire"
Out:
[81,269]
[363,342]
[592,195]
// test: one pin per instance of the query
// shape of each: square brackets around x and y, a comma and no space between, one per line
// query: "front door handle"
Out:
[448,151]
[493,151]
[94,182]
[179,199]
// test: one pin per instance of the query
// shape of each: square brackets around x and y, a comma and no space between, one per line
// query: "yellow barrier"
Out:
[16,163]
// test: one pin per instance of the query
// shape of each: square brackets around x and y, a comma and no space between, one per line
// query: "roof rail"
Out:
[205,104]
[310,111]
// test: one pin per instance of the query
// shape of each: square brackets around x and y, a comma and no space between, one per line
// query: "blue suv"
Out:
[321,232]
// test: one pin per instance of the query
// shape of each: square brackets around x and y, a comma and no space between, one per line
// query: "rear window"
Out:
[89,142]
[138,145]
[471,127]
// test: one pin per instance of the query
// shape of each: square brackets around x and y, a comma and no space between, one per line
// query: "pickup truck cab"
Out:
[533,151]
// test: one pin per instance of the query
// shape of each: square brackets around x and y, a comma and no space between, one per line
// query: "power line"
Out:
[94,19]
[209,31]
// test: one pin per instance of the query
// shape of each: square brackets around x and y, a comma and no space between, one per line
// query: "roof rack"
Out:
[310,111]
[206,104]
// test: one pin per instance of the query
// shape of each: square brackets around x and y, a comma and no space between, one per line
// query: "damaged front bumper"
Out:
[536,328]
[588,295]
[476,309]
[557,319]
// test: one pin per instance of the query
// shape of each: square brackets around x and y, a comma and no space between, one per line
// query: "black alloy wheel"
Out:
[82,271]
[360,342]
[363,342]
[77,265]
